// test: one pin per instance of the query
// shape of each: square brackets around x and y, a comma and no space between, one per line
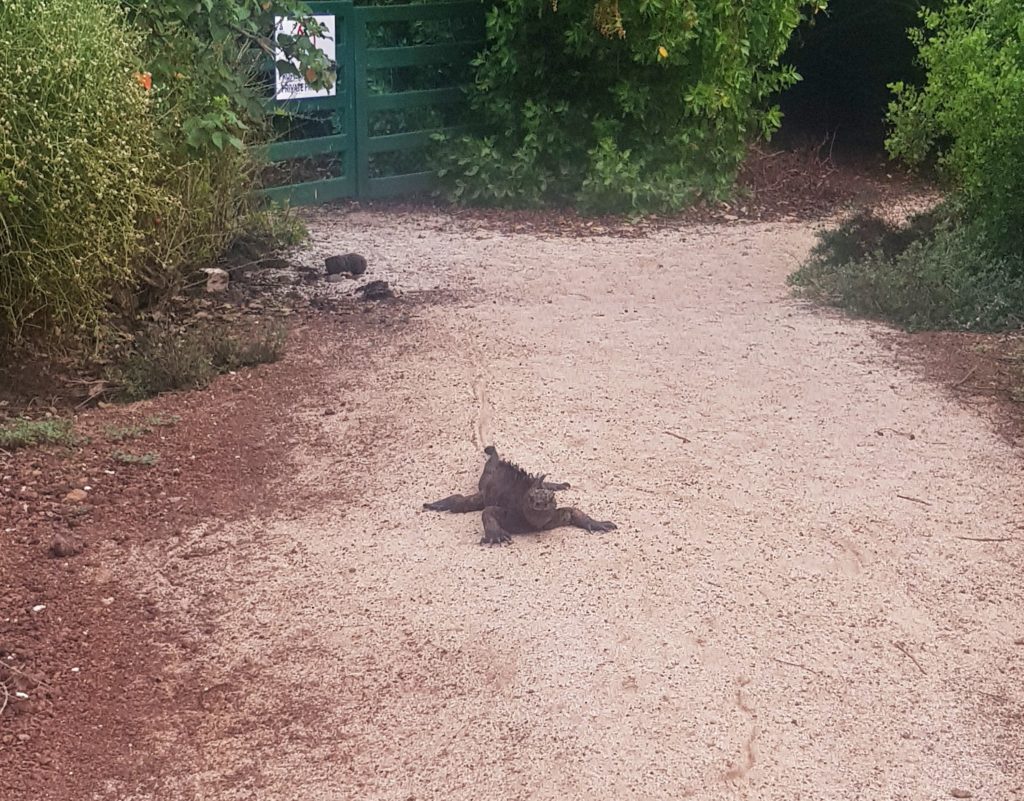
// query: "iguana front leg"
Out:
[458,503]
[556,486]
[571,516]
[495,532]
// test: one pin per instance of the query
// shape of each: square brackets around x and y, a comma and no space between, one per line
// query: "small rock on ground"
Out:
[350,263]
[63,546]
[375,290]
[217,280]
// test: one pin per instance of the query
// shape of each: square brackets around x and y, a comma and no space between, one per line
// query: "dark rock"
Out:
[349,263]
[64,546]
[375,290]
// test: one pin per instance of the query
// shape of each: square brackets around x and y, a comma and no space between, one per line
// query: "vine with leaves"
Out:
[208,59]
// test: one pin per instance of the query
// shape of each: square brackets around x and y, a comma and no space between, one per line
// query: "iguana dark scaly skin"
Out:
[515,502]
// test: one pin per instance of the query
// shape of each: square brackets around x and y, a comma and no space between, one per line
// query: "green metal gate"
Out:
[401,71]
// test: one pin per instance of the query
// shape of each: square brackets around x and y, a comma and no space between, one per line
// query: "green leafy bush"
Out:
[208,58]
[644,106]
[969,115]
[79,168]
[207,62]
[934,273]
[962,266]
[128,150]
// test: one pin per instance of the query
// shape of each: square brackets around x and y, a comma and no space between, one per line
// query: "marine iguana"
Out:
[516,502]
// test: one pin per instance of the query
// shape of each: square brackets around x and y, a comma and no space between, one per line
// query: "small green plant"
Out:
[165,359]
[233,351]
[162,361]
[134,431]
[22,433]
[144,459]
[125,433]
[934,273]
[163,420]
[273,227]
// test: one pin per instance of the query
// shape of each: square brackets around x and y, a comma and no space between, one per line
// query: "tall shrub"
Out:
[77,163]
[969,114]
[645,105]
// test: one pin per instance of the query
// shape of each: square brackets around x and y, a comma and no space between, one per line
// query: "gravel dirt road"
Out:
[815,590]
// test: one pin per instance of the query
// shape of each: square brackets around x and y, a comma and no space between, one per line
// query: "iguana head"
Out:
[539,499]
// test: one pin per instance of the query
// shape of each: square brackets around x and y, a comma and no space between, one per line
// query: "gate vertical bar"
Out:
[393,105]
[361,91]
[346,15]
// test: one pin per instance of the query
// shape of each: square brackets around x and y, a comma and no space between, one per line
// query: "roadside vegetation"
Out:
[620,107]
[22,433]
[960,265]
[163,359]
[129,142]
[131,137]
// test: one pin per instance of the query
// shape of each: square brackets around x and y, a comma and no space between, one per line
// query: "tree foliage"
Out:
[645,106]
[969,114]
[205,57]
[962,264]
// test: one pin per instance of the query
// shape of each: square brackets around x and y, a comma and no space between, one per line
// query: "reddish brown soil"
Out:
[983,371]
[90,661]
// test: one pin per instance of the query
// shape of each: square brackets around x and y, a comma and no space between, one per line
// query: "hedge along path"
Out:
[772,620]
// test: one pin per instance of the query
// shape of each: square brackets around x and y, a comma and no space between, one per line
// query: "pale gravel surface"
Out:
[770,621]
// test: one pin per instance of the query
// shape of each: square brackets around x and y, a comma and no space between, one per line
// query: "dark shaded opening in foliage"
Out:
[847,57]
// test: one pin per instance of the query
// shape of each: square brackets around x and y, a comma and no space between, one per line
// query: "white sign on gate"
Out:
[294,87]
